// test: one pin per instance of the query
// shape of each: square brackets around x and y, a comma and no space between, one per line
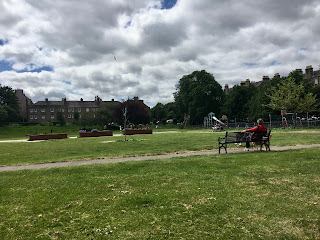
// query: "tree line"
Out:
[198,94]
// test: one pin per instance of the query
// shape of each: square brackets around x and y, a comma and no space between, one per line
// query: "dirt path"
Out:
[139,158]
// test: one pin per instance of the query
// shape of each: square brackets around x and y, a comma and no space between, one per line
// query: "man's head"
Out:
[260,121]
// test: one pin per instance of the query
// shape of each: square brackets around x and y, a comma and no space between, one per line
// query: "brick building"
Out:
[313,77]
[46,111]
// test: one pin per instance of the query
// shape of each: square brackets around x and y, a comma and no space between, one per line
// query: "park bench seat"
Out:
[259,138]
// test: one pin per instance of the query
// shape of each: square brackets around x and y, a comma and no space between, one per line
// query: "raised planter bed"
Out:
[136,131]
[47,136]
[96,134]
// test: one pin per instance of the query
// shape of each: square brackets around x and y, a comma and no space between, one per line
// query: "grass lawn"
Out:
[21,153]
[264,195]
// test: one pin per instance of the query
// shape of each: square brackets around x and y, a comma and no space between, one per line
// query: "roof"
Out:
[74,104]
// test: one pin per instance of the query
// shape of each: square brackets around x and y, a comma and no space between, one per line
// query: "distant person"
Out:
[259,128]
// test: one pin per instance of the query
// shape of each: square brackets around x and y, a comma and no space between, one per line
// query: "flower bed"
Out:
[136,131]
[96,134]
[47,136]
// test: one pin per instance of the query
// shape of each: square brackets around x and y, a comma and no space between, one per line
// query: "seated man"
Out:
[259,128]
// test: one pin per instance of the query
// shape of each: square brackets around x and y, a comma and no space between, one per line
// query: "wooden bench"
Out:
[259,138]
[96,134]
[47,136]
[136,131]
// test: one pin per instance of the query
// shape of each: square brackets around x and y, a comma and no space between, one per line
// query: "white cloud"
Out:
[119,49]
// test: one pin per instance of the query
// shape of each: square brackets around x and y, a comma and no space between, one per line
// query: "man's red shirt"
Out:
[259,128]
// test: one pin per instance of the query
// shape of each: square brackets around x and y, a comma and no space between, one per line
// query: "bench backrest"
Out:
[248,136]
[234,136]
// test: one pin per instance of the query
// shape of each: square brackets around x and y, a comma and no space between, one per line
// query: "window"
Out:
[43,110]
[94,116]
[87,109]
[31,110]
[43,116]
[52,116]
[35,110]
[51,109]
[69,115]
[31,116]
[62,109]
[69,109]
[35,117]
[79,109]
[316,81]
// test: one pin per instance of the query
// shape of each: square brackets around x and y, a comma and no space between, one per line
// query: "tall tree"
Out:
[10,104]
[104,114]
[61,119]
[197,95]
[290,96]
[158,112]
[237,102]
[137,112]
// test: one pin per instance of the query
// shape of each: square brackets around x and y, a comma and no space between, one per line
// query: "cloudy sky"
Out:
[124,48]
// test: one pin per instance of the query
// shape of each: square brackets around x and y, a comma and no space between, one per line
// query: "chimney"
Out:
[64,100]
[81,99]
[47,99]
[299,70]
[309,72]
[136,99]
[226,88]
[265,79]
[277,75]
[112,99]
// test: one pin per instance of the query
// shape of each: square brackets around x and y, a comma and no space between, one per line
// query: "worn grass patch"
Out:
[232,196]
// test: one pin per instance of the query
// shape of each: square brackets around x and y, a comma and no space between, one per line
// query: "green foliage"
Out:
[197,95]
[158,112]
[257,106]
[9,104]
[76,117]
[3,114]
[290,96]
[104,115]
[237,102]
[137,112]
[87,119]
[61,119]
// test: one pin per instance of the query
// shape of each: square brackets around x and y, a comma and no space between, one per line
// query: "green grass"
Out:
[21,153]
[267,195]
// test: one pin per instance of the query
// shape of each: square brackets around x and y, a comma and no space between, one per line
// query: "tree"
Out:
[104,114]
[158,112]
[137,112]
[10,104]
[61,119]
[258,104]
[76,117]
[3,114]
[237,102]
[198,94]
[290,96]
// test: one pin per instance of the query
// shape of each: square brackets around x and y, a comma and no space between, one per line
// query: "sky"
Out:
[118,49]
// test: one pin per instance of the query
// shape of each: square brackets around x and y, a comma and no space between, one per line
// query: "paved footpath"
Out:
[139,158]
